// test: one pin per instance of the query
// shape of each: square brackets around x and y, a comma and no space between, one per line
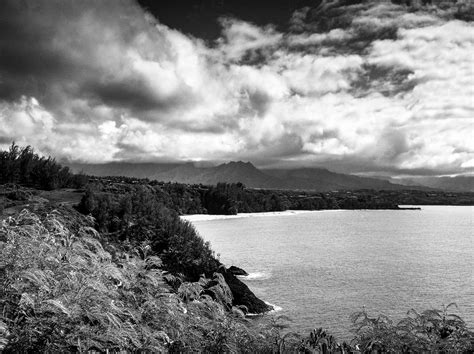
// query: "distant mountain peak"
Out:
[240,163]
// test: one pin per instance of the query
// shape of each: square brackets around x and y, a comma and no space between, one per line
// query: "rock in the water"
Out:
[242,294]
[237,271]
[219,290]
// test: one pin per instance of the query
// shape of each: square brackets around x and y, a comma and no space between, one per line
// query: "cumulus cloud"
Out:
[365,87]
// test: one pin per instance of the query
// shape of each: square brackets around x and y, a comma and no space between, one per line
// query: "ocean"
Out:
[319,267]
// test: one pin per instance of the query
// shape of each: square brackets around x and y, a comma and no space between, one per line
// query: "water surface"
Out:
[320,267]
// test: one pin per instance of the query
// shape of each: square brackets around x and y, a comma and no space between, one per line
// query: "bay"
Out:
[319,267]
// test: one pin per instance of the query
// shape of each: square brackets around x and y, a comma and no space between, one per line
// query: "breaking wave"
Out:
[275,307]
[257,276]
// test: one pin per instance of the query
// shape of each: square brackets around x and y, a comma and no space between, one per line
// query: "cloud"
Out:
[25,118]
[241,39]
[353,86]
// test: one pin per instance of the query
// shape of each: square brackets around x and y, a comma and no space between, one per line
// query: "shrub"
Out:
[139,216]
[430,331]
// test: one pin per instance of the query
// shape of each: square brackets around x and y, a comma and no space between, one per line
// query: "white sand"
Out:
[206,217]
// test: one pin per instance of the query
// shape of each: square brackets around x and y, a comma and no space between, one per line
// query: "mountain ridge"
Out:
[316,179]
[303,178]
[453,184]
[311,178]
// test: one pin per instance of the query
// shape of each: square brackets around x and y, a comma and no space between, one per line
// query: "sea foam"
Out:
[275,307]
[256,276]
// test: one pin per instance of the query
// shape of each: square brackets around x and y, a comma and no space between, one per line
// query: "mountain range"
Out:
[454,184]
[317,179]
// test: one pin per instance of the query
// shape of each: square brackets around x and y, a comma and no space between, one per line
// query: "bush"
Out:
[430,331]
[19,195]
[138,216]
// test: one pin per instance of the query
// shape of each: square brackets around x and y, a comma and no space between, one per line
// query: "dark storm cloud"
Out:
[26,41]
[345,17]
[27,54]
[59,43]
[333,14]
[134,94]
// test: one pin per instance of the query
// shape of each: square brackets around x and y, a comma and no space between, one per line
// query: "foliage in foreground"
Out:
[61,291]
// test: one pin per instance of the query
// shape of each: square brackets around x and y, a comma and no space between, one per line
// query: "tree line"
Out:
[21,165]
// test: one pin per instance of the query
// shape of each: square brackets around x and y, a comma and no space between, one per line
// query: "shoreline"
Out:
[210,217]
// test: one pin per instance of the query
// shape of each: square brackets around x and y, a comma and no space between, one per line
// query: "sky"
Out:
[365,87]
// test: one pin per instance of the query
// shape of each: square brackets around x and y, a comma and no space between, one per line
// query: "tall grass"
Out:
[61,291]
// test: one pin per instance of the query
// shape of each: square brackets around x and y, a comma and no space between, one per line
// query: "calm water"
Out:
[319,267]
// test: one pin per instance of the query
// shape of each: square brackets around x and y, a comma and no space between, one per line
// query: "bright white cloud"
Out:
[24,119]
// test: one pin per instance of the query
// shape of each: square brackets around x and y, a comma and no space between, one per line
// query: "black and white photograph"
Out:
[237,176]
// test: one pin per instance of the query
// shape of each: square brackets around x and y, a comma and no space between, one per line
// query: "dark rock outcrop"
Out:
[226,289]
[242,294]
[219,290]
[237,271]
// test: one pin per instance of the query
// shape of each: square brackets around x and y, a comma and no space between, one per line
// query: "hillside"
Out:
[315,179]
[126,169]
[231,172]
[454,184]
[324,180]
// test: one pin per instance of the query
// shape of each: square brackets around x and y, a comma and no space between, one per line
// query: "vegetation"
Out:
[233,198]
[138,215]
[22,166]
[433,331]
[122,272]
[61,291]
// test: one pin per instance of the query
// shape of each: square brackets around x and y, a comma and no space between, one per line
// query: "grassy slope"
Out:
[63,292]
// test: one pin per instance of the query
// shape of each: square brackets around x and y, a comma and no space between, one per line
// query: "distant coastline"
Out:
[209,217]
